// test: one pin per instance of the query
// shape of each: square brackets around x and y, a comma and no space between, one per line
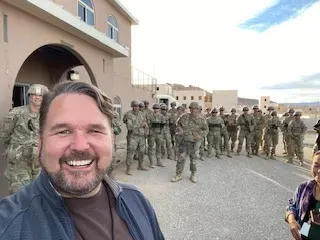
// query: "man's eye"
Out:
[64,132]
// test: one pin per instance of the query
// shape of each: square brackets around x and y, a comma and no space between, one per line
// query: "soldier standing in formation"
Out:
[285,124]
[177,133]
[296,131]
[194,127]
[224,144]
[272,135]
[284,133]
[247,125]
[316,146]
[20,136]
[266,117]
[257,135]
[156,125]
[232,128]
[167,143]
[173,110]
[215,125]
[203,140]
[116,127]
[137,131]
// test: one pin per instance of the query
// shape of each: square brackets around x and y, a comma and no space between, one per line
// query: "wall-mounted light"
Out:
[73,75]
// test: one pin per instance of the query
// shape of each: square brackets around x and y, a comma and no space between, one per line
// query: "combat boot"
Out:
[218,156]
[249,155]
[272,157]
[301,163]
[267,156]
[201,158]
[290,160]
[237,153]
[159,163]
[151,165]
[177,178]
[141,167]
[229,155]
[193,178]
[129,171]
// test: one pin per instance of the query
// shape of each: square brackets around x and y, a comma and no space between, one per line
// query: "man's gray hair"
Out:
[104,103]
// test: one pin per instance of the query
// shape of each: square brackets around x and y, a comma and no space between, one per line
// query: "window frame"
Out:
[86,8]
[113,28]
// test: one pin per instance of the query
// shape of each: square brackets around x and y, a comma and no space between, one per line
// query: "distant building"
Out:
[265,102]
[225,98]
[165,89]
[188,95]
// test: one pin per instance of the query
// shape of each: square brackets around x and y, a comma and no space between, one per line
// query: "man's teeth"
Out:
[79,163]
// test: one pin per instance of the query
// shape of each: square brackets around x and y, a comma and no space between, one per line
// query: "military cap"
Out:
[164,107]
[194,105]
[291,110]
[245,109]
[286,114]
[145,102]
[221,109]
[255,107]
[297,114]
[200,107]
[274,113]
[173,104]
[270,108]
[233,110]
[38,89]
[135,103]
[156,106]
[180,108]
[141,104]
[214,110]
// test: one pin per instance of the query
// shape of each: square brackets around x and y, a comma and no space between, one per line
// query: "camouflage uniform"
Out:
[232,128]
[194,127]
[199,145]
[167,143]
[272,135]
[116,126]
[266,118]
[224,142]
[215,124]
[156,125]
[257,135]
[172,112]
[19,133]
[316,146]
[285,124]
[177,132]
[296,131]
[137,131]
[148,113]
[247,125]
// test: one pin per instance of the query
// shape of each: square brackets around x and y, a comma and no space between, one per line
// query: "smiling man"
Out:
[73,198]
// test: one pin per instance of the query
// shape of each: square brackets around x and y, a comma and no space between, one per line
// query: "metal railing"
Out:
[143,80]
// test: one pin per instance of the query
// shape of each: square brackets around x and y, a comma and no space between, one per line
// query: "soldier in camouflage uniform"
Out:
[215,124]
[296,131]
[149,113]
[316,146]
[232,128]
[266,117]
[272,134]
[257,134]
[156,125]
[224,144]
[116,126]
[285,124]
[173,110]
[285,148]
[200,144]
[167,144]
[177,131]
[20,133]
[194,127]
[247,125]
[208,112]
[137,131]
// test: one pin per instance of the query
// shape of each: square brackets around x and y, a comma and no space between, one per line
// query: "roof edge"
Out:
[124,11]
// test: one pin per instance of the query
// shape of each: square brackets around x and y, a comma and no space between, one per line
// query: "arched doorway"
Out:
[117,105]
[48,65]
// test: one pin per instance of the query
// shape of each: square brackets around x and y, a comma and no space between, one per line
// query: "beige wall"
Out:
[165,89]
[226,98]
[188,94]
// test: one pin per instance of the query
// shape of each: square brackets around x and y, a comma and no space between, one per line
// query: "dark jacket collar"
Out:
[44,186]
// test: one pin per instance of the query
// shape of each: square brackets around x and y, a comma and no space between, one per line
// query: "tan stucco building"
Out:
[46,41]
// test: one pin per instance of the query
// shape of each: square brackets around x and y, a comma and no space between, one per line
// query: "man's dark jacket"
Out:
[38,212]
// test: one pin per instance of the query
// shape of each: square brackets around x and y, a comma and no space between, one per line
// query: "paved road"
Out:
[238,198]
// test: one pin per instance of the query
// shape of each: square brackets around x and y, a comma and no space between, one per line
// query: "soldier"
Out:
[194,127]
[285,124]
[224,144]
[173,110]
[247,124]
[149,113]
[177,131]
[286,114]
[232,128]
[137,130]
[316,146]
[116,127]
[272,134]
[257,135]
[166,133]
[208,112]
[296,131]
[266,117]
[156,124]
[20,136]
[215,124]
[200,144]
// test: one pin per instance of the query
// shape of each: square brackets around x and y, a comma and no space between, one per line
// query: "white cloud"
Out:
[199,43]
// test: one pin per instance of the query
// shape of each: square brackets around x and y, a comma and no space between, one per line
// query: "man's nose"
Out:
[80,142]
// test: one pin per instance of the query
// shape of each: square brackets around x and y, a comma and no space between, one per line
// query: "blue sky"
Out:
[260,47]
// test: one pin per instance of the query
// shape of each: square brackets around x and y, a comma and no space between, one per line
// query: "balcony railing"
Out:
[143,80]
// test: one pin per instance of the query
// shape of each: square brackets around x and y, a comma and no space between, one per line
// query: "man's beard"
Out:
[62,182]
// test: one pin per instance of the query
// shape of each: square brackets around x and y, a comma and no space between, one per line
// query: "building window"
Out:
[210,99]
[117,105]
[192,97]
[200,97]
[264,106]
[5,28]
[184,98]
[177,97]
[85,11]
[206,99]
[19,96]
[113,29]
[265,99]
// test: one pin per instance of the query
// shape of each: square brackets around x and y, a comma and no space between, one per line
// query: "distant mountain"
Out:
[249,101]
[303,104]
